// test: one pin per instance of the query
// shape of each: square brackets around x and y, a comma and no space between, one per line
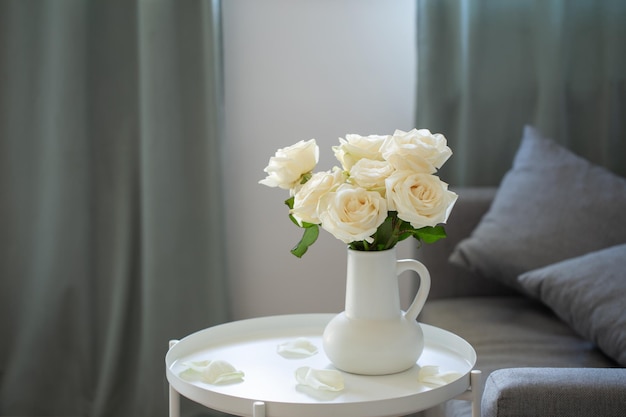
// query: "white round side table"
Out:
[269,387]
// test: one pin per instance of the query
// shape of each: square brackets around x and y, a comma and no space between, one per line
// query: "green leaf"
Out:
[406,231]
[384,234]
[359,245]
[430,234]
[293,219]
[289,203]
[311,232]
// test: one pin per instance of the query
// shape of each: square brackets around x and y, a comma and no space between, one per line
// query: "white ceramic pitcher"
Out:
[373,336]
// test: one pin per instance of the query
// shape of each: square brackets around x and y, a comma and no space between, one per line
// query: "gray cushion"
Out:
[588,293]
[552,205]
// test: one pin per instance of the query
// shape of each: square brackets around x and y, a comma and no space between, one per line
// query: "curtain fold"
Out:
[486,68]
[110,200]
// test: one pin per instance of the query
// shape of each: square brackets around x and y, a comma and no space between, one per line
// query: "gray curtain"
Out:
[487,67]
[111,234]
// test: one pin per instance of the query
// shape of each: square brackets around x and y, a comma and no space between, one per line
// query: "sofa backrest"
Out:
[449,280]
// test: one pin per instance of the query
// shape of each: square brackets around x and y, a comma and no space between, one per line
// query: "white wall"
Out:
[302,69]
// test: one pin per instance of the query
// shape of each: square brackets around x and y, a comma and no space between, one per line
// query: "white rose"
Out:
[356,147]
[417,150]
[288,165]
[420,199]
[352,214]
[371,174]
[308,196]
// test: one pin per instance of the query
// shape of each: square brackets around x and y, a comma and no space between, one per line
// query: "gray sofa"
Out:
[549,327]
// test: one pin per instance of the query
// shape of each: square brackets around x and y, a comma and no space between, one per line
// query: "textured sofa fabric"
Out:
[508,329]
[510,332]
[532,392]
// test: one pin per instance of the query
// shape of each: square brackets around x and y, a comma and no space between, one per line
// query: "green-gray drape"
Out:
[111,234]
[487,67]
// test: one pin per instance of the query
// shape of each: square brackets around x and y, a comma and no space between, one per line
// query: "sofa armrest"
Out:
[555,392]
[449,280]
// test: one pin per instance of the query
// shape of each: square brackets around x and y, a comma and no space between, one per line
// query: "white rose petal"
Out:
[371,174]
[320,379]
[417,150]
[212,372]
[299,347]
[288,165]
[430,375]
[356,147]
[352,214]
[420,199]
[308,196]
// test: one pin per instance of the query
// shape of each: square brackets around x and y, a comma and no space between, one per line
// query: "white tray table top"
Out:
[251,346]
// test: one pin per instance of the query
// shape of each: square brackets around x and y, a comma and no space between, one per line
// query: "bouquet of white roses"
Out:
[384,192]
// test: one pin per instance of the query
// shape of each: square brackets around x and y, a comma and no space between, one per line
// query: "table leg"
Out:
[258,409]
[475,392]
[174,395]
[174,403]
[476,384]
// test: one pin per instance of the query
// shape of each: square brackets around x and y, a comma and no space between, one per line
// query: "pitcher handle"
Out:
[422,294]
